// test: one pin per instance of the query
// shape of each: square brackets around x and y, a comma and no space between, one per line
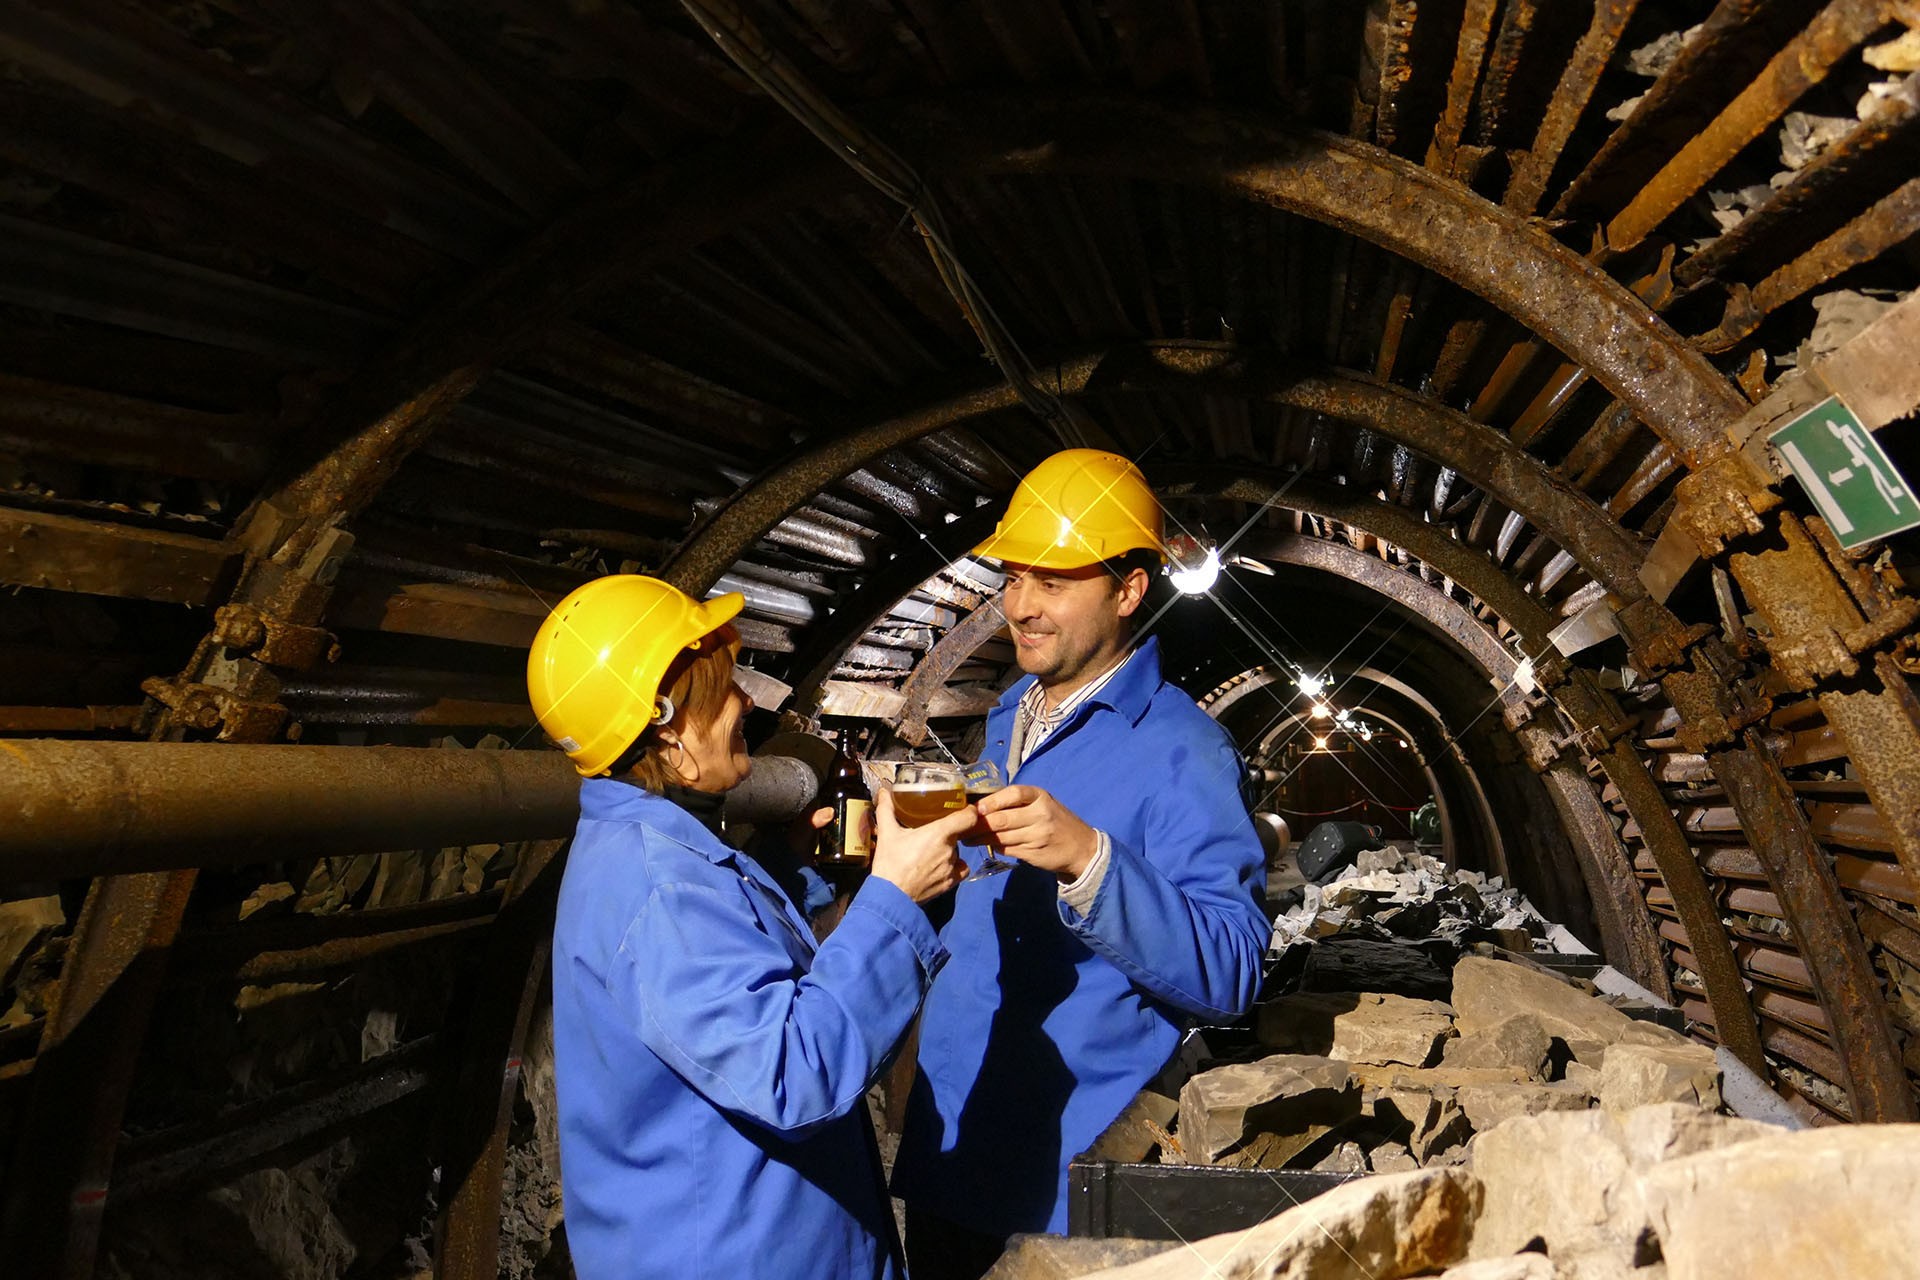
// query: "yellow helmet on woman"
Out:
[594,671]
[1077,508]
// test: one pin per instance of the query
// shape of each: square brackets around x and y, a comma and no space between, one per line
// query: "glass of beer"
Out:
[982,780]
[924,793]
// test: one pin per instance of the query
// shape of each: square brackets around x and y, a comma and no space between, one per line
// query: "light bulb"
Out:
[1200,578]
[1312,686]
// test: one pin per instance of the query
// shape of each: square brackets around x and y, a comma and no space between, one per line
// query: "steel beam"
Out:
[1608,552]
[931,672]
[1617,900]
[104,808]
[1362,190]
[1824,930]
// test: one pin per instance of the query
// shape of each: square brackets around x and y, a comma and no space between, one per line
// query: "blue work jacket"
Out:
[711,1064]
[1047,1022]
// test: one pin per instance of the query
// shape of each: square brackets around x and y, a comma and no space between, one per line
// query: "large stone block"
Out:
[1519,1266]
[1520,1041]
[1488,1105]
[1571,1178]
[1818,1204]
[1059,1258]
[1386,1029]
[1285,1101]
[1637,1075]
[1488,992]
[1380,1228]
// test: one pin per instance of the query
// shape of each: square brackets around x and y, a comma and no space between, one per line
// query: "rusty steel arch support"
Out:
[1601,859]
[1221,702]
[1483,455]
[930,674]
[813,665]
[1451,823]
[1360,189]
[1584,704]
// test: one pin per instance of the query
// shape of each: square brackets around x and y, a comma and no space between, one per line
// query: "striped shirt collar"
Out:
[1034,723]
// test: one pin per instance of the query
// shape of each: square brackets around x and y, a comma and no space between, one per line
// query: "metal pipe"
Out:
[103,808]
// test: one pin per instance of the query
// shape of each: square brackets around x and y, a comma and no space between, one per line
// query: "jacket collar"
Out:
[1129,692]
[608,800]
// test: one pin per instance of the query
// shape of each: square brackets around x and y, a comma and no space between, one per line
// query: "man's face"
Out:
[1067,623]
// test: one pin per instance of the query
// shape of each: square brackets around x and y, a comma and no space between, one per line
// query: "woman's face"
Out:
[716,752]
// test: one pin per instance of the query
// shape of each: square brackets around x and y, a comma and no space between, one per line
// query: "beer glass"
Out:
[982,780]
[924,793]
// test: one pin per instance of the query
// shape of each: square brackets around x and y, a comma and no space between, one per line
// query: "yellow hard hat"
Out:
[1077,508]
[595,668]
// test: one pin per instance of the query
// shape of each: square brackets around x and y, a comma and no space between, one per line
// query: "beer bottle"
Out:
[847,841]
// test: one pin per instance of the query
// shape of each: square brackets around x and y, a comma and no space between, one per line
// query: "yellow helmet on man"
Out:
[596,665]
[1078,507]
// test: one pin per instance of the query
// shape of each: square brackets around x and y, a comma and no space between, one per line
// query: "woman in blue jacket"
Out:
[711,1061]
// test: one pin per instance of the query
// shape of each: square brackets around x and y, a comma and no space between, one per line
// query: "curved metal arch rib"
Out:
[1604,865]
[1607,552]
[1583,705]
[1400,206]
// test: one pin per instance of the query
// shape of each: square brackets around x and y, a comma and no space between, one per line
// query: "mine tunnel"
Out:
[340,341]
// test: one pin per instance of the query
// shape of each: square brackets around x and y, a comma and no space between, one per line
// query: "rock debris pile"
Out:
[1391,893]
[1524,1130]
[1663,1192]
[1358,1083]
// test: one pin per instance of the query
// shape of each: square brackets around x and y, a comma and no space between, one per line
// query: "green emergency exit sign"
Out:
[1847,474]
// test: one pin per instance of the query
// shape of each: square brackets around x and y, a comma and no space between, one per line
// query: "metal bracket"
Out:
[1724,501]
[203,706]
[247,629]
[1655,638]
[1825,652]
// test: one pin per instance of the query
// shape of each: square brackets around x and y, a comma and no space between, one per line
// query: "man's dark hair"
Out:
[1148,562]
[1140,558]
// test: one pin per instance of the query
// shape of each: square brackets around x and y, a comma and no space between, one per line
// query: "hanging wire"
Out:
[728,26]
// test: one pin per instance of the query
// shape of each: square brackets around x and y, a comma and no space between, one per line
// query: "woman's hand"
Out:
[921,861]
[803,831]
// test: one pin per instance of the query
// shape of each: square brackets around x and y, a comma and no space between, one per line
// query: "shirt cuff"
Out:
[886,900]
[1080,894]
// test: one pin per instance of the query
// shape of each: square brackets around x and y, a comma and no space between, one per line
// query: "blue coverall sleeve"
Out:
[719,1001]
[1178,915]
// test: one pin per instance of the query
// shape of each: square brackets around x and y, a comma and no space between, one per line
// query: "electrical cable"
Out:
[728,26]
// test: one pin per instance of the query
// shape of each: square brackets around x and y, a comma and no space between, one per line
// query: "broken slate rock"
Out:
[1288,1096]
[1372,860]
[1430,1079]
[1487,1105]
[1817,1204]
[1137,1130]
[1345,1158]
[1636,1075]
[1359,1028]
[1488,992]
[1380,1228]
[1391,1157]
[1366,964]
[1384,1029]
[1519,1041]
[1431,1124]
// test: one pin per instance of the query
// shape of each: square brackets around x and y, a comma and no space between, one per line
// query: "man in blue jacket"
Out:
[1133,911]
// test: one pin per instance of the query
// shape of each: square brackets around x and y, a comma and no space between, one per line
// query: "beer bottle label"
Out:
[858,830]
